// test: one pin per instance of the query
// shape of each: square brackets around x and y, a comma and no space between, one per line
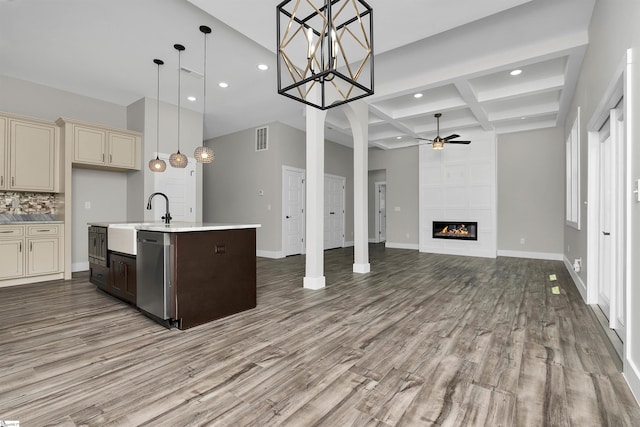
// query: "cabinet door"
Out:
[122,150]
[89,145]
[32,150]
[3,150]
[11,258]
[42,256]
[123,278]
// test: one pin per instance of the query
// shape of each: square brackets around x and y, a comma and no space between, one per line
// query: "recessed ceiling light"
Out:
[191,98]
[398,137]
[523,118]
[417,95]
[223,84]
[516,72]
[263,67]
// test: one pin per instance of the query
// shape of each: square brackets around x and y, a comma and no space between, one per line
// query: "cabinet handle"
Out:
[8,231]
[13,181]
[44,231]
[110,158]
[20,250]
[30,246]
[1,181]
[103,157]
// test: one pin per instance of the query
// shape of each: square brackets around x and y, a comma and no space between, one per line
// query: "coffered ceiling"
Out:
[457,54]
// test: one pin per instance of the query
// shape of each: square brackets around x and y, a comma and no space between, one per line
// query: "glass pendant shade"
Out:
[157,165]
[178,160]
[204,154]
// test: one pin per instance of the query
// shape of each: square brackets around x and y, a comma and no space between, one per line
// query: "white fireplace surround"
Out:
[459,183]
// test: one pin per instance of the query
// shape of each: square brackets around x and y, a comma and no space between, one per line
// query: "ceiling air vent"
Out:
[262,138]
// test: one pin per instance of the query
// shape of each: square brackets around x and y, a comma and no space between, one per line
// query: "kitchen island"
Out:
[186,274]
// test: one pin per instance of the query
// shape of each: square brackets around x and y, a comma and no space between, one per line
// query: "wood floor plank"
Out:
[424,339]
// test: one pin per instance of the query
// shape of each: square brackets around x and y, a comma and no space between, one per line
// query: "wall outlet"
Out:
[87,205]
[522,240]
[396,208]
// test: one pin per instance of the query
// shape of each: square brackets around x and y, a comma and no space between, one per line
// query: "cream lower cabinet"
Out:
[30,251]
[100,147]
[3,155]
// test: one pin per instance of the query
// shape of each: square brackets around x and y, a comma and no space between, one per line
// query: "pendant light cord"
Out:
[158,116]
[179,84]
[204,95]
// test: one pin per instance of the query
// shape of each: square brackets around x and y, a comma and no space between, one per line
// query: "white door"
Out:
[606,278]
[179,184]
[381,212]
[292,211]
[619,290]
[334,192]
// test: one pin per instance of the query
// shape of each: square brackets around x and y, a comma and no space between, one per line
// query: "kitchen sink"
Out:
[122,237]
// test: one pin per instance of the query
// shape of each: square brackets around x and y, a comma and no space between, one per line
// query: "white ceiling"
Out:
[457,53]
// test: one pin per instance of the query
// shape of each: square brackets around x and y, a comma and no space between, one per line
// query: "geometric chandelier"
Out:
[325,51]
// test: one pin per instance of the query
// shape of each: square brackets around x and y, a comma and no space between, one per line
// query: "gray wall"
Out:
[239,172]
[401,166]
[530,191]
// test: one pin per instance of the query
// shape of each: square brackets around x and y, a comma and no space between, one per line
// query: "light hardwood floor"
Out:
[422,340]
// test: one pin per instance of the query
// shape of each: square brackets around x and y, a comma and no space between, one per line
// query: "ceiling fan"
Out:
[438,142]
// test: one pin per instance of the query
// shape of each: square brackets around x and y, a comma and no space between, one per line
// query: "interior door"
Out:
[606,278]
[333,211]
[180,187]
[382,212]
[293,211]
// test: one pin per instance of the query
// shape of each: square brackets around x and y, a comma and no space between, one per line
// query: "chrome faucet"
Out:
[167,215]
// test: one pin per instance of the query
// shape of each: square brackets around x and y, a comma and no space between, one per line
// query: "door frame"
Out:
[612,108]
[376,186]
[286,169]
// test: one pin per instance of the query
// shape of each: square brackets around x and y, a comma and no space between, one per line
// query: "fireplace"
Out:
[458,230]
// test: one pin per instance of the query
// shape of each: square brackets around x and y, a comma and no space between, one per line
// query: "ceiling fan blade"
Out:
[458,142]
[424,139]
[455,135]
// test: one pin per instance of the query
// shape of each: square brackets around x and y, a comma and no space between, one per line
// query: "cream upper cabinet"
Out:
[3,151]
[31,160]
[122,150]
[89,145]
[101,147]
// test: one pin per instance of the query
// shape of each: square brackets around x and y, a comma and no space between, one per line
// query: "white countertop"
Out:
[177,226]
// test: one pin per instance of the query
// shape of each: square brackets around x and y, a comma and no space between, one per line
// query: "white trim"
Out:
[412,246]
[577,281]
[552,256]
[631,373]
[362,268]
[34,279]
[270,254]
[572,158]
[314,283]
[80,266]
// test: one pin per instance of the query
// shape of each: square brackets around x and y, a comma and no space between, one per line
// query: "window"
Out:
[573,174]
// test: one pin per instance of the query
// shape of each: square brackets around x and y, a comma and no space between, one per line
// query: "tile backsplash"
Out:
[18,203]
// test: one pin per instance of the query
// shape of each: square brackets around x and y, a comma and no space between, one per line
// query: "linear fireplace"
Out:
[459,230]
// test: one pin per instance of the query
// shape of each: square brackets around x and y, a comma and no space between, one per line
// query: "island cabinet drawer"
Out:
[42,230]
[11,231]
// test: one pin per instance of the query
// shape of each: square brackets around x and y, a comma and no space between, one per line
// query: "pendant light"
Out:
[204,154]
[157,165]
[178,160]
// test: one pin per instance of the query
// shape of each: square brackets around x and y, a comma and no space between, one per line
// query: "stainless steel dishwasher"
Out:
[154,287]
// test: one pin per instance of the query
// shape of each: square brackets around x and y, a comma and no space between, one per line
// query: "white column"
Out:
[314,273]
[358,114]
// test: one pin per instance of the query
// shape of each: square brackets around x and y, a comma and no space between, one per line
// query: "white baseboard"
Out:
[80,266]
[580,285]
[314,283]
[362,268]
[413,246]
[270,254]
[533,255]
[632,375]
[348,244]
